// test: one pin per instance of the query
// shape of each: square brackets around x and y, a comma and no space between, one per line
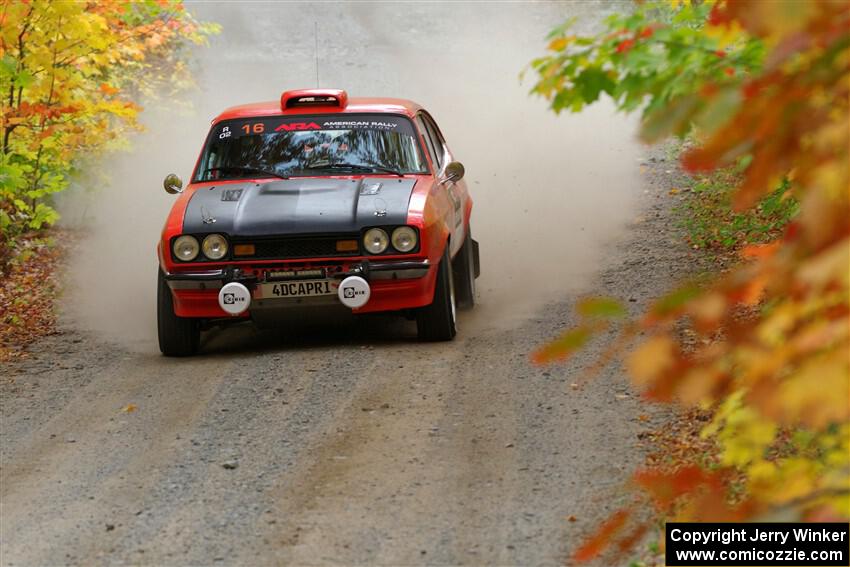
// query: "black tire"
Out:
[463,268]
[178,336]
[436,322]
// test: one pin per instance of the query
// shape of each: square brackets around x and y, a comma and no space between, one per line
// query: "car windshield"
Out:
[303,145]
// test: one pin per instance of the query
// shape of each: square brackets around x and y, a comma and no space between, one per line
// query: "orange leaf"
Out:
[594,545]
[707,311]
[651,359]
[666,487]
[754,290]
[107,89]
[759,250]
[563,347]
[628,542]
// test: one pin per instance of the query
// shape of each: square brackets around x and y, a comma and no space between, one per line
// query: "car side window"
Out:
[436,140]
[427,138]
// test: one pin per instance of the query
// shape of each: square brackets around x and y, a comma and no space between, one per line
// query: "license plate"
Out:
[298,288]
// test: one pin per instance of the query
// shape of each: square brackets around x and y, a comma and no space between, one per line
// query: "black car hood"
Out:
[298,206]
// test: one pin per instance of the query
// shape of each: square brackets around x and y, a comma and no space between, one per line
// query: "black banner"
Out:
[761,544]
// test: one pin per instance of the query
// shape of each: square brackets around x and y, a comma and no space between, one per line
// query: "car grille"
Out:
[299,247]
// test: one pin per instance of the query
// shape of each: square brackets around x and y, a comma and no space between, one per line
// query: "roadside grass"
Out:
[713,225]
[28,292]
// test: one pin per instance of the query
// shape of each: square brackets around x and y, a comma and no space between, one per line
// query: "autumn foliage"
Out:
[71,78]
[764,87]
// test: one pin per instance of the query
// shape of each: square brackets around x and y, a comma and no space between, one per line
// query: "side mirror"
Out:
[172,184]
[454,172]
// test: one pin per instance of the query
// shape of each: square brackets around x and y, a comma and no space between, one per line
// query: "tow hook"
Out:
[360,269]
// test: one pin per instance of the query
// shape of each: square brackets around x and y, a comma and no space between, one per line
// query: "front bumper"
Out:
[395,285]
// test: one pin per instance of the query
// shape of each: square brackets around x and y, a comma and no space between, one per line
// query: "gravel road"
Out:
[340,444]
[344,445]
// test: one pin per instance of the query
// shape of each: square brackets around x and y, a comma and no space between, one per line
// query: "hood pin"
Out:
[206,217]
[380,207]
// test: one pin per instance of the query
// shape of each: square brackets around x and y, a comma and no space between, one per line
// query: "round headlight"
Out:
[186,248]
[215,247]
[404,239]
[375,240]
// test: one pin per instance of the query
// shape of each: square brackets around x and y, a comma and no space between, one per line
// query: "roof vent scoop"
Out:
[314,97]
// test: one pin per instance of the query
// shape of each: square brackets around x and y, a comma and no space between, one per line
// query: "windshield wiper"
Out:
[246,170]
[358,166]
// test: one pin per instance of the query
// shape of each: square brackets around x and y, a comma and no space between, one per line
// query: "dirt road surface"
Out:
[351,443]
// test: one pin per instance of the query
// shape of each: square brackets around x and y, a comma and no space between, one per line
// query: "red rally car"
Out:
[317,201]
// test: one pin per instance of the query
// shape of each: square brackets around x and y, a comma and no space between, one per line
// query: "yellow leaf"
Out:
[129,408]
[560,43]
[745,437]
[817,393]
[725,35]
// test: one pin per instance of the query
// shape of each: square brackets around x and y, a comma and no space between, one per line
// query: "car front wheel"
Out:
[178,336]
[436,322]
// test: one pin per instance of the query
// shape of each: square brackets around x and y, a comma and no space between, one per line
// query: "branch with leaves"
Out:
[763,86]
[72,75]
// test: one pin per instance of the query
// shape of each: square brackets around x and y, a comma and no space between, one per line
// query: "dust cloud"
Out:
[551,193]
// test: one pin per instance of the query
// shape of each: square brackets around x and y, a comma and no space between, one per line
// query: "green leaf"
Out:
[8,66]
[674,300]
[601,307]
[592,81]
[668,119]
[43,215]
[719,109]
[562,29]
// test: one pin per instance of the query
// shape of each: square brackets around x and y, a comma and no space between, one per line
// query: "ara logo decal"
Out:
[298,126]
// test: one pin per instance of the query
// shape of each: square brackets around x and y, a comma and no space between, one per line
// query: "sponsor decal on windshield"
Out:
[372,125]
[283,124]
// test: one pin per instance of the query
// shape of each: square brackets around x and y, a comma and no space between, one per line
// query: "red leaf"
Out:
[625,45]
[719,15]
[698,160]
